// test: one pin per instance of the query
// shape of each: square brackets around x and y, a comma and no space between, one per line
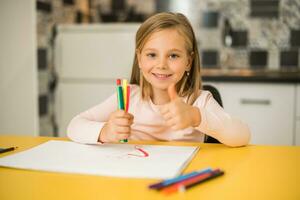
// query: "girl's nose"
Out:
[162,64]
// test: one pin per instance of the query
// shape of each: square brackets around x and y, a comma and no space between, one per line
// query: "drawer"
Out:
[267,109]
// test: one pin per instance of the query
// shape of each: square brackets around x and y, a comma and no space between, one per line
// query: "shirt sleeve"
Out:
[86,126]
[216,123]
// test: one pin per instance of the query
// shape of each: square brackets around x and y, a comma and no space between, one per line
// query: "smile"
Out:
[161,76]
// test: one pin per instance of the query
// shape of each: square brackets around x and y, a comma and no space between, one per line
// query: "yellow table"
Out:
[252,172]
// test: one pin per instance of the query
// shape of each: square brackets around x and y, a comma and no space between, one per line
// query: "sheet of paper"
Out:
[120,160]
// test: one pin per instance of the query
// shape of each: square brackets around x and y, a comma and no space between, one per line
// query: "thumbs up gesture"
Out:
[177,114]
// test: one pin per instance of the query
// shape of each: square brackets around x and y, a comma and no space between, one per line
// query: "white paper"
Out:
[120,160]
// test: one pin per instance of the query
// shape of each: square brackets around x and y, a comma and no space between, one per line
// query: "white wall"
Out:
[18,70]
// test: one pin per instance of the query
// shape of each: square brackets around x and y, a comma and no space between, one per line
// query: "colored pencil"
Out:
[214,174]
[168,182]
[192,181]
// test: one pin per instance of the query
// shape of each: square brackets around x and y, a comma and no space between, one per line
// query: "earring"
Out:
[187,73]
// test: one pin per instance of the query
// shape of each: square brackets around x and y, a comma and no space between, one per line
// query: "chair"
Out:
[216,95]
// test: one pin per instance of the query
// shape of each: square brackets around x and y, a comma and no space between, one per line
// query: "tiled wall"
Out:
[269,38]
[49,13]
[272,39]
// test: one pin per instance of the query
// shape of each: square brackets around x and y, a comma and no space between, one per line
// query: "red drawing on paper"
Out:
[142,152]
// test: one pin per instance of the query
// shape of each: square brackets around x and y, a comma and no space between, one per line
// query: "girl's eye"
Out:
[150,55]
[173,56]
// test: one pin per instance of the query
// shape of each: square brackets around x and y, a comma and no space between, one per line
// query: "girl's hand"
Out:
[117,128]
[179,115]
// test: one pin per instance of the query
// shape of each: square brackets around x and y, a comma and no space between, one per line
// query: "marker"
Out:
[124,86]
[120,95]
[121,105]
[127,98]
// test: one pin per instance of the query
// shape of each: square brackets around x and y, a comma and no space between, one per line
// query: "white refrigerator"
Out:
[88,60]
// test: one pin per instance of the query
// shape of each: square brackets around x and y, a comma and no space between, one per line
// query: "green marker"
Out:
[121,105]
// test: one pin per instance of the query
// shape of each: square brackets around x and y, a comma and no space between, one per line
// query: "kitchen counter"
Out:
[246,75]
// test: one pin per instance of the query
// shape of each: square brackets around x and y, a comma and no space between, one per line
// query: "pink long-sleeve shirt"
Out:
[149,124]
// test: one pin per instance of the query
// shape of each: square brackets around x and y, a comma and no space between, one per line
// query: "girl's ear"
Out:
[190,61]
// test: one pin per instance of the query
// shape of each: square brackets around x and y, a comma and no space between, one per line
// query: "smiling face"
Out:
[164,59]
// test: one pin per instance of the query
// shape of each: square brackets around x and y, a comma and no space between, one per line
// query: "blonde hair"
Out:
[190,83]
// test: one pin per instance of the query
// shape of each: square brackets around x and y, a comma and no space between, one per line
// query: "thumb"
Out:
[172,92]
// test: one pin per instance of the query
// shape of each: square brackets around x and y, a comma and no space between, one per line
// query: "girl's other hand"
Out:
[179,115]
[117,128]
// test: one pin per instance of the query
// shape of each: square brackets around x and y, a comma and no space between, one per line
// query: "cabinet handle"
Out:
[256,101]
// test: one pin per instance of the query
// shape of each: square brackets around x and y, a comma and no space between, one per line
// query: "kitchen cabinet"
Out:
[267,108]
[95,52]
[89,59]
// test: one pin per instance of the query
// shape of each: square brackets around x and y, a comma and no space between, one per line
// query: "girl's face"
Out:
[164,59]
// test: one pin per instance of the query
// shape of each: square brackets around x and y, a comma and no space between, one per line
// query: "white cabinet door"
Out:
[95,52]
[89,59]
[74,98]
[268,109]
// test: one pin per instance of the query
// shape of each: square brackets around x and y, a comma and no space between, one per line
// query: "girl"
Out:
[165,102]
